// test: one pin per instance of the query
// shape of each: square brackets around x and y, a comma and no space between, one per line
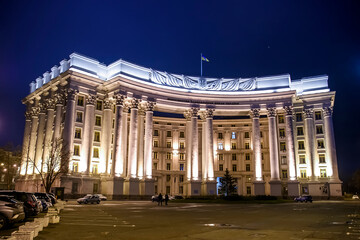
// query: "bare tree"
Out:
[55,165]
[10,158]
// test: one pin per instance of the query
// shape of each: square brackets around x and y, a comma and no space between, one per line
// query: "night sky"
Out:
[240,38]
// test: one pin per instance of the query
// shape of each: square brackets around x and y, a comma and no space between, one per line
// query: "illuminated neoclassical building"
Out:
[134,131]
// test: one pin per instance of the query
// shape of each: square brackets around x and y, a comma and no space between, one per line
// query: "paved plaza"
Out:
[181,221]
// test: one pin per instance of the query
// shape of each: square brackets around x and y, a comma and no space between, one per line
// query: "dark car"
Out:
[29,201]
[11,211]
[89,199]
[304,198]
[45,200]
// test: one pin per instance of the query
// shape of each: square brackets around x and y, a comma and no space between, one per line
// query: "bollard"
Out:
[23,235]
[35,228]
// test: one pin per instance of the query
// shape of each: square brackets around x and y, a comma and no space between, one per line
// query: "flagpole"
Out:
[201,64]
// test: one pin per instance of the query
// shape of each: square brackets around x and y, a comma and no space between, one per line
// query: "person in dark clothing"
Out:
[166,199]
[160,199]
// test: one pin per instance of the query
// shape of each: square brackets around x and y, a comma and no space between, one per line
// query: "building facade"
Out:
[133,131]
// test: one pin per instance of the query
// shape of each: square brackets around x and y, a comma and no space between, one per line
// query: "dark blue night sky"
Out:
[240,38]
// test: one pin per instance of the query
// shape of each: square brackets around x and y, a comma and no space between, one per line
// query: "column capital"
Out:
[119,99]
[91,99]
[194,112]
[271,112]
[327,111]
[289,110]
[134,103]
[187,115]
[71,94]
[308,113]
[149,106]
[107,103]
[27,116]
[59,98]
[49,103]
[209,113]
[42,107]
[34,111]
[255,112]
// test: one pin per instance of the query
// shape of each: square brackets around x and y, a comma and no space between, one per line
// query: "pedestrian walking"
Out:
[166,199]
[160,199]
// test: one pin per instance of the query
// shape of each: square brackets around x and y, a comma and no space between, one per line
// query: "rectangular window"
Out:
[79,117]
[168,190]
[233,146]
[112,138]
[113,123]
[248,190]
[99,105]
[322,158]
[299,117]
[182,145]
[221,167]
[302,159]
[300,131]
[233,135]
[319,129]
[234,167]
[247,135]
[168,155]
[323,173]
[262,156]
[281,119]
[303,173]
[75,167]
[320,143]
[155,166]
[284,174]
[181,178]
[76,150]
[168,178]
[301,145]
[168,134]
[181,167]
[261,133]
[155,155]
[220,146]
[94,169]
[247,156]
[181,189]
[282,146]
[247,167]
[220,157]
[182,134]
[220,136]
[168,144]
[156,143]
[168,166]
[96,152]
[78,133]
[233,156]
[98,121]
[96,136]
[247,145]
[182,156]
[156,132]
[282,132]
[283,160]
[317,115]
[80,101]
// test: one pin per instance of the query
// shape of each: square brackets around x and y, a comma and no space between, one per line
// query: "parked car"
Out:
[89,199]
[355,197]
[53,198]
[29,201]
[155,198]
[11,211]
[304,198]
[45,200]
[102,197]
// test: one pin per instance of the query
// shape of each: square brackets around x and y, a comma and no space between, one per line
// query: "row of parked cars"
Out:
[15,206]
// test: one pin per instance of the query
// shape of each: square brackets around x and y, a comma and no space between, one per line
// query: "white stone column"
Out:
[194,144]
[106,136]
[87,141]
[39,139]
[204,151]
[25,146]
[133,131]
[34,125]
[210,144]
[59,98]
[309,141]
[188,139]
[117,162]
[69,124]
[140,139]
[275,183]
[50,105]
[293,183]
[125,136]
[330,144]
[259,184]
[148,139]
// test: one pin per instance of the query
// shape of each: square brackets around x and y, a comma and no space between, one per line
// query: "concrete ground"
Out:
[192,221]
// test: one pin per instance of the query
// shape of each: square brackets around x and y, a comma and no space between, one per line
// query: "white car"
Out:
[355,197]
[102,197]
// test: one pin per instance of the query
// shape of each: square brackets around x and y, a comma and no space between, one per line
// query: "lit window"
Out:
[80,101]
[233,146]
[234,167]
[94,169]
[79,116]
[300,131]
[181,167]
[221,167]
[97,136]
[302,159]
[168,134]
[282,146]
[233,156]
[322,158]
[75,167]
[299,117]
[247,135]
[168,144]
[156,143]
[155,166]
[78,133]
[98,121]
[156,132]
[247,156]
[323,173]
[220,157]
[182,156]
[303,173]
[233,135]
[220,146]
[96,153]
[168,155]
[76,150]
[220,136]
[247,167]
[281,118]
[301,145]
[320,143]
[282,132]
[155,155]
[284,174]
[99,105]
[318,115]
[182,134]
[247,146]
[319,129]
[182,145]
[168,166]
